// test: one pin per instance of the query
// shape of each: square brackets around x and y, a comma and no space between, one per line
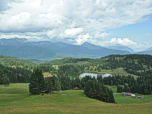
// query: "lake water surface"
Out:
[94,74]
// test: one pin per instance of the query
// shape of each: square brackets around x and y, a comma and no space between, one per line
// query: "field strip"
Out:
[4,90]
[135,104]
[38,107]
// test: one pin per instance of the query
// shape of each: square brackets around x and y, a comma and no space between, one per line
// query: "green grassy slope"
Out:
[16,99]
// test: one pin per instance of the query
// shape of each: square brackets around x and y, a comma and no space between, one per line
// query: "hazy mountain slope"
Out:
[83,50]
[149,49]
[16,42]
[122,48]
[146,52]
[28,52]
[23,48]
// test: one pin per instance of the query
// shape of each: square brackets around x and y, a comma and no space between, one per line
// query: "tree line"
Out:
[142,85]
[96,90]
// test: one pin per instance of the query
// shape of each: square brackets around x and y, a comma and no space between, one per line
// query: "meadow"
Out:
[16,99]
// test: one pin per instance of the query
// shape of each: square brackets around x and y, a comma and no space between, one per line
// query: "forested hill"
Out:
[139,65]
[66,61]
[133,64]
[11,61]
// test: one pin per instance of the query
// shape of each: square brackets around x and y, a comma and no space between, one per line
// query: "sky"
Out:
[100,22]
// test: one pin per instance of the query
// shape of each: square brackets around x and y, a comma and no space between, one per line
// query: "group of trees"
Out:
[14,75]
[39,84]
[70,70]
[117,80]
[98,91]
[142,85]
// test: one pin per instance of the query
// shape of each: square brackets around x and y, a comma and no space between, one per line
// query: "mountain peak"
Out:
[89,45]
[86,43]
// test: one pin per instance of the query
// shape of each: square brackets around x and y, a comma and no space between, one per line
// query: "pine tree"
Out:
[6,80]
[49,85]
[41,80]
[33,87]
[57,84]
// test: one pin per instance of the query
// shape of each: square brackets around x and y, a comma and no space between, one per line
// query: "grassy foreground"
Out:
[16,99]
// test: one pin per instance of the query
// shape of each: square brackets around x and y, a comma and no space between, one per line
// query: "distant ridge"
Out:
[122,48]
[23,48]
[146,52]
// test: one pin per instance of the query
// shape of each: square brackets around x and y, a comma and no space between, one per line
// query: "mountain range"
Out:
[46,51]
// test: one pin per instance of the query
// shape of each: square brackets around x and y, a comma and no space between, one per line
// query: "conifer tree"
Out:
[6,80]
[41,80]
[57,84]
[33,87]
[49,84]
[37,83]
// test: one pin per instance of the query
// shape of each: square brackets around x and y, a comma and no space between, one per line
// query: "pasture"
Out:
[56,66]
[16,99]
[46,73]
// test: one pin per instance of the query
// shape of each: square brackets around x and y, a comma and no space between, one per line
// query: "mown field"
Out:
[16,99]
[56,66]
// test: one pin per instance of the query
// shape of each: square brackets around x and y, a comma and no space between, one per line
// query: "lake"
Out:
[94,74]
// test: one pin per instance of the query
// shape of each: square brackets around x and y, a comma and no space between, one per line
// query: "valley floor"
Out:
[16,99]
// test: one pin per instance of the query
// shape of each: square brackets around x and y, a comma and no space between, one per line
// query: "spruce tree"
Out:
[49,85]
[57,84]
[33,87]
[41,80]
[6,80]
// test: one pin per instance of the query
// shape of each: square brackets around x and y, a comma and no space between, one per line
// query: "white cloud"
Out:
[83,38]
[12,35]
[126,42]
[75,19]
[48,14]
[73,31]
[119,41]
[102,35]
[20,18]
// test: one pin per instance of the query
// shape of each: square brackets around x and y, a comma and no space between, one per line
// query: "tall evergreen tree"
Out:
[49,85]
[41,80]
[57,84]
[37,83]
[33,87]
[6,80]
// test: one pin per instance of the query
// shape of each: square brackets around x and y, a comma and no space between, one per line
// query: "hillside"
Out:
[11,61]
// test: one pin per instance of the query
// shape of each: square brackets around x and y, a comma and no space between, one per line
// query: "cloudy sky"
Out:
[100,22]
